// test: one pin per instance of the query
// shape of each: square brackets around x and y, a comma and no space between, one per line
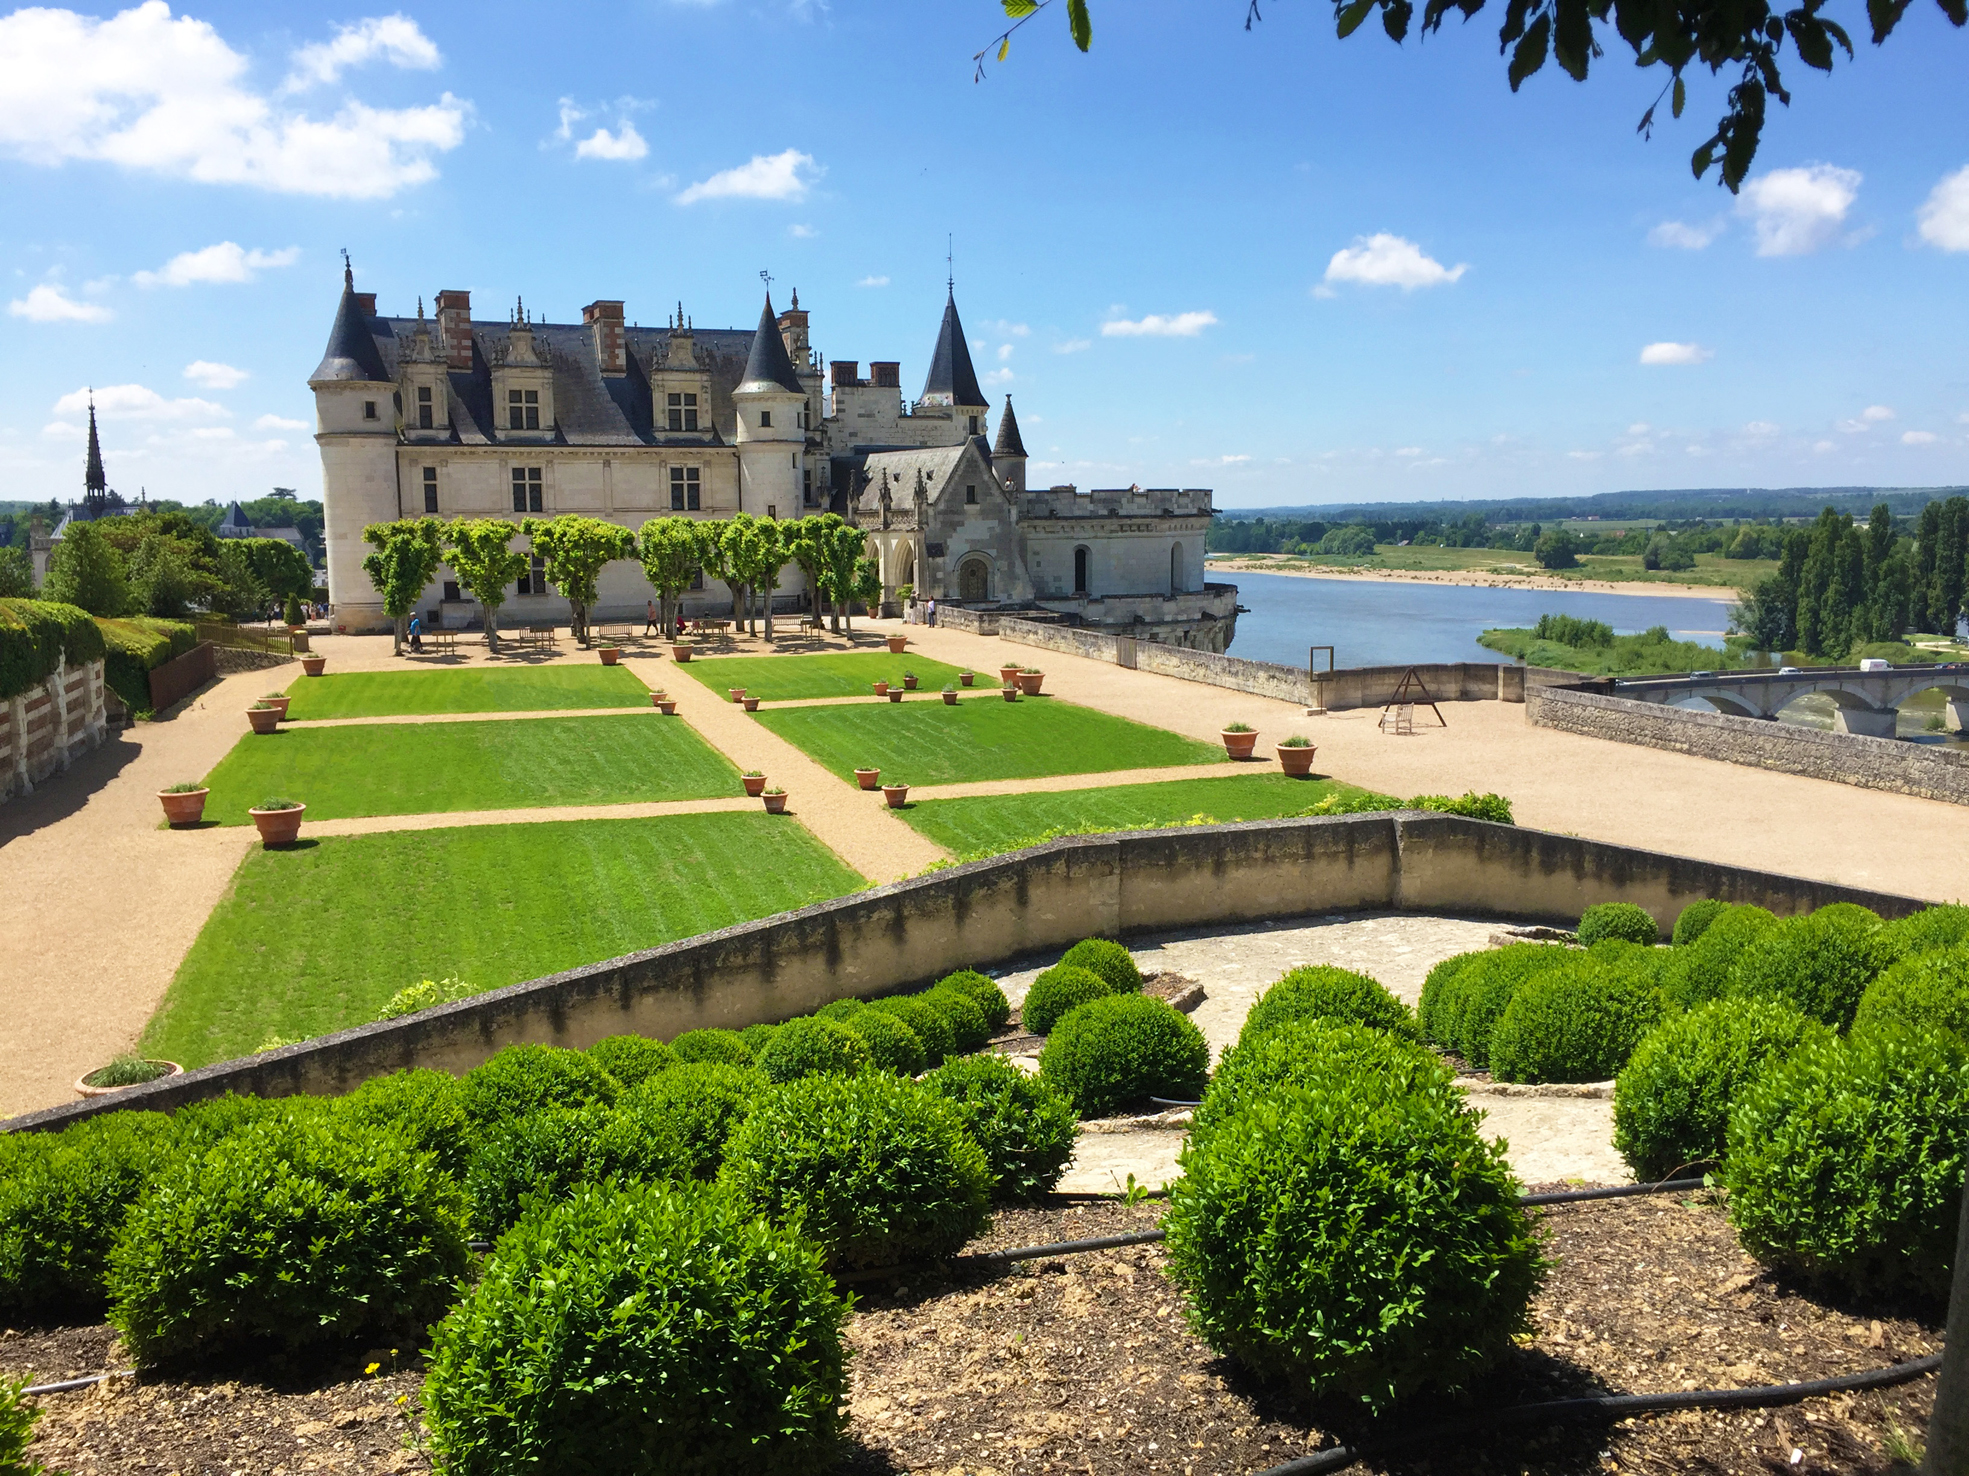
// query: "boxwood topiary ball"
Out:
[526,1078]
[1115,1052]
[1618,920]
[632,1059]
[722,1047]
[642,1328]
[1485,987]
[1355,1236]
[879,1169]
[756,1037]
[931,1028]
[426,1106]
[1694,920]
[840,1009]
[990,998]
[1919,932]
[1061,988]
[1324,992]
[1305,1052]
[545,1152]
[1108,959]
[1671,1105]
[1026,1128]
[691,1111]
[1441,999]
[1698,973]
[1578,1022]
[1821,963]
[968,1028]
[808,1046]
[1929,988]
[892,1045]
[1846,1160]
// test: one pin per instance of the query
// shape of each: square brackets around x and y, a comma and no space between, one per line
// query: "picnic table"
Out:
[442,640]
[539,636]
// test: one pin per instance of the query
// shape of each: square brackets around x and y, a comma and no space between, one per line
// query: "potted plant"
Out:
[775,799]
[895,694]
[666,705]
[896,644]
[264,717]
[949,695]
[278,821]
[750,704]
[966,675]
[867,778]
[881,689]
[1295,755]
[1029,679]
[279,700]
[754,781]
[125,1071]
[1009,672]
[313,662]
[610,654]
[681,650]
[184,805]
[737,693]
[1010,691]
[656,698]
[909,680]
[896,794]
[1239,740]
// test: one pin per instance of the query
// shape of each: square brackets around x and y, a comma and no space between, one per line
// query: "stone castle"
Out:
[457,417]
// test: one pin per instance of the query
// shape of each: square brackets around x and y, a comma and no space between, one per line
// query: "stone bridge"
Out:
[1866,702]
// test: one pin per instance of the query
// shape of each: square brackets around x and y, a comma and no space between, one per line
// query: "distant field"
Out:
[833,674]
[318,938]
[989,824]
[1624,569]
[922,741]
[466,689]
[436,768]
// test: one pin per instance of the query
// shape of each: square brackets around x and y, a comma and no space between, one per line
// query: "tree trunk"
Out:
[491,614]
[398,631]
[769,611]
[580,622]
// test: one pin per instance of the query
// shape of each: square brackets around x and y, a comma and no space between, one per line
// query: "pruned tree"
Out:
[575,550]
[740,559]
[480,552]
[408,552]
[86,570]
[765,554]
[848,547]
[673,550]
[807,546]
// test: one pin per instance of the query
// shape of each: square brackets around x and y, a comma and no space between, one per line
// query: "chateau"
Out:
[457,417]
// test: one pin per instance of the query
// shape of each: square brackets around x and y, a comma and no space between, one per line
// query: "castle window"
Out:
[451,590]
[685,488]
[523,409]
[970,494]
[368,409]
[534,581]
[430,489]
[424,411]
[765,420]
[683,412]
[526,489]
[974,425]
[1080,571]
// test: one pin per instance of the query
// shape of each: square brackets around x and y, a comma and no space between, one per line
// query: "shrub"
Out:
[1304,1053]
[724,1047]
[756,1038]
[1111,1053]
[1671,1106]
[879,1169]
[1698,973]
[425,994]
[1929,988]
[691,1110]
[526,1078]
[1485,987]
[632,1059]
[1059,989]
[969,1030]
[641,1328]
[1578,1022]
[1471,805]
[426,1106]
[1324,992]
[1025,1127]
[1821,963]
[134,648]
[931,1028]
[1114,964]
[1357,1236]
[892,1045]
[1617,920]
[201,1124]
[989,997]
[1436,1009]
[1846,1161]
[810,1045]
[62,1204]
[37,637]
[17,1420]
[1932,927]
[1694,920]
[547,1151]
[290,1232]
[841,1009]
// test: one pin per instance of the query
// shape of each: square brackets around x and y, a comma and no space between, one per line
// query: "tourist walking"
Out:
[930,613]
[649,625]
[416,633]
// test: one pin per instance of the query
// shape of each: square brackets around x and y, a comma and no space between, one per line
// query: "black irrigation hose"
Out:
[1612,1407]
[1624,1191]
[67,1384]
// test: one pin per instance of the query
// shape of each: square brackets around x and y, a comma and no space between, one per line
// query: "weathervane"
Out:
[949,263]
[767,278]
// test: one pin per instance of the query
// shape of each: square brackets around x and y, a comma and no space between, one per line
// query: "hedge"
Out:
[37,637]
[134,648]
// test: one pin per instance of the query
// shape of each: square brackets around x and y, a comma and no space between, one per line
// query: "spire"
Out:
[351,354]
[94,483]
[767,367]
[1008,442]
[952,380]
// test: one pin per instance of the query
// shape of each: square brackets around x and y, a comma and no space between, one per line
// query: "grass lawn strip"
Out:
[989,824]
[922,741]
[832,674]
[429,768]
[318,938]
[464,689]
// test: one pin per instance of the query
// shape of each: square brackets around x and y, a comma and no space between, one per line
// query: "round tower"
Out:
[356,415]
[772,443]
[1008,452]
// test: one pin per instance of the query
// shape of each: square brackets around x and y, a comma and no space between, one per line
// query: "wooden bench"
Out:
[442,640]
[542,636]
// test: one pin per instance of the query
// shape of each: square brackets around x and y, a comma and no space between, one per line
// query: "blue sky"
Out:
[1288,267]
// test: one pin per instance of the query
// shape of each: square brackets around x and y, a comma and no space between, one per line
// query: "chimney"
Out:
[604,320]
[885,375]
[455,328]
[793,330]
[844,372]
[367,302]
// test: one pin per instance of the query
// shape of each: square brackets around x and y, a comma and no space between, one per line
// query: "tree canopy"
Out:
[480,552]
[672,550]
[86,570]
[408,552]
[574,550]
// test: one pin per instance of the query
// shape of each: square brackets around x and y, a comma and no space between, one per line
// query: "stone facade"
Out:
[48,726]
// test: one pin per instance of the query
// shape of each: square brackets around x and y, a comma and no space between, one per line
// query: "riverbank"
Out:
[1471,578]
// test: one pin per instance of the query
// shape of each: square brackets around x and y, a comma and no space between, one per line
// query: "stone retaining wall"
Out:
[1846,758]
[48,726]
[991,912]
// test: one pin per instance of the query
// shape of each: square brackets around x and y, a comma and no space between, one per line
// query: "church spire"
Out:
[952,380]
[95,485]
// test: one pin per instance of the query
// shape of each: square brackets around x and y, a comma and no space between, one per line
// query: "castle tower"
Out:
[772,444]
[95,486]
[1008,452]
[356,418]
[952,381]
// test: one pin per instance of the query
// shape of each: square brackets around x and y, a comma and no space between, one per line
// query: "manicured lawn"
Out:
[464,689]
[318,938]
[921,741]
[989,824]
[834,674]
[434,768]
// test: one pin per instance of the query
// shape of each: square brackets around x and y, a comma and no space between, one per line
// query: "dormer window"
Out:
[683,412]
[970,494]
[424,409]
[368,409]
[523,409]
[765,420]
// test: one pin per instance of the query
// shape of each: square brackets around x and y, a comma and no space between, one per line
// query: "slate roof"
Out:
[352,355]
[952,380]
[938,464]
[768,366]
[1008,442]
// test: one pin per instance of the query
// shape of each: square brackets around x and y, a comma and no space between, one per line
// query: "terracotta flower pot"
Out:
[313,665]
[881,689]
[896,644]
[1010,691]
[279,704]
[263,719]
[681,653]
[966,677]
[775,803]
[751,704]
[1239,745]
[1296,761]
[1008,674]
[278,827]
[909,683]
[896,794]
[183,809]
[755,784]
[737,693]
[895,694]
[610,655]
[83,1089]
[656,699]
[667,706]
[950,699]
[1029,682]
[868,778]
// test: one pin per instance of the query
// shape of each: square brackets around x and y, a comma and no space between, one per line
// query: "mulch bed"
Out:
[1085,1365]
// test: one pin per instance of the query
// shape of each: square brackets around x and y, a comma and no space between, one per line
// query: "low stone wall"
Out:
[975,622]
[229,659]
[1845,758]
[50,725]
[991,912]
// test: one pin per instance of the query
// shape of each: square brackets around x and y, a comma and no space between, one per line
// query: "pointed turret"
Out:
[769,366]
[352,354]
[1008,442]
[952,380]
[95,485]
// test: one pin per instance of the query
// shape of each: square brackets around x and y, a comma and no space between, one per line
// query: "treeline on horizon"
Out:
[1668,545]
[281,509]
[1730,504]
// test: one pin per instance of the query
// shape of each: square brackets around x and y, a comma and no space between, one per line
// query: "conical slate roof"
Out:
[1008,442]
[952,380]
[352,354]
[236,517]
[768,367]
[93,479]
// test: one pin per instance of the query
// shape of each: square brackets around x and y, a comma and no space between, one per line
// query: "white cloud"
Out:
[802,232]
[1761,428]
[1877,413]
[279,422]
[1073,346]
[1796,211]
[1009,329]
[1383,260]
[1675,353]
[787,175]
[1004,352]
[1944,217]
[873,282]
[226,262]
[168,96]
[1155,325]
[1408,451]
[1918,438]
[49,304]
[1639,428]
[137,402]
[1824,446]
[1000,376]
[215,376]
[625,145]
[394,38]
[1684,237]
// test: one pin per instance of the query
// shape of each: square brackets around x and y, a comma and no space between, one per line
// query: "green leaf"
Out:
[1572,39]
[1080,23]
[1395,16]
[1351,15]
[1019,9]
[1814,45]
[1005,48]
[1681,97]
[1530,53]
